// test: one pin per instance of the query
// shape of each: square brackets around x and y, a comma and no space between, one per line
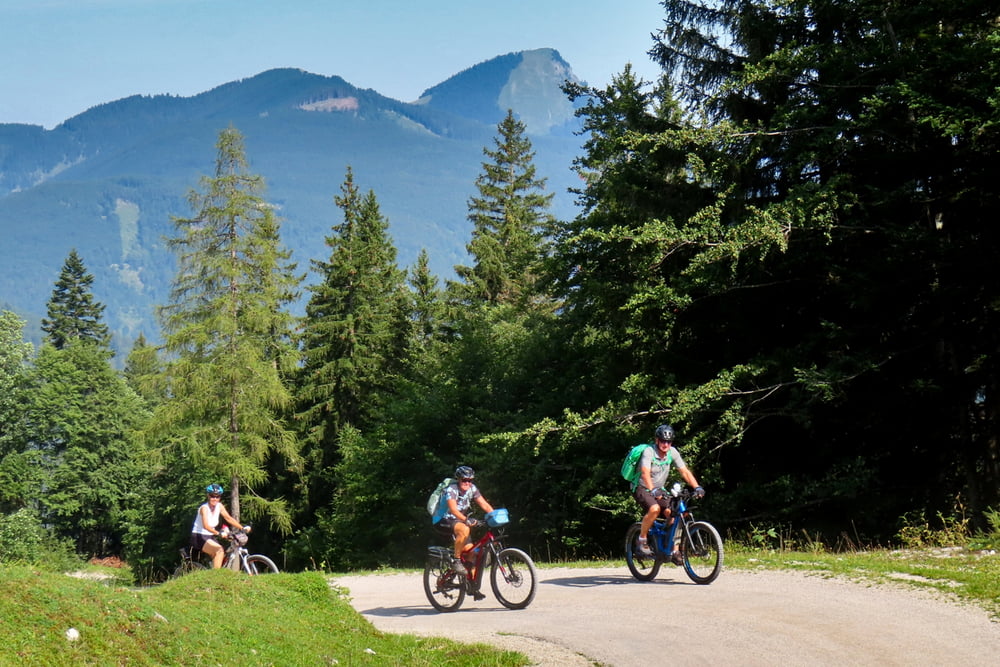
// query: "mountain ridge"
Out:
[108,181]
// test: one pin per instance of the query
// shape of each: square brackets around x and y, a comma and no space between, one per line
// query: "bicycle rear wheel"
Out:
[258,564]
[643,568]
[513,579]
[702,550]
[188,566]
[445,589]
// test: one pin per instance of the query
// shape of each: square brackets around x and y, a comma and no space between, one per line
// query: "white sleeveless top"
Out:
[199,526]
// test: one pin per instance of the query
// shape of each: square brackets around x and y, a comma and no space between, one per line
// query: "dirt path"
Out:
[603,616]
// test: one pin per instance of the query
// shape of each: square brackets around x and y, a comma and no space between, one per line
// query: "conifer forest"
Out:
[786,247]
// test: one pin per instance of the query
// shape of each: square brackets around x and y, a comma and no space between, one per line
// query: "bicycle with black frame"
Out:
[512,572]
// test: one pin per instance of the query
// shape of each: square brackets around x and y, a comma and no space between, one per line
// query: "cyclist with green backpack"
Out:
[649,491]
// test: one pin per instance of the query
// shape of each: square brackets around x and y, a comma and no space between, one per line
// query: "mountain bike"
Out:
[512,572]
[697,542]
[237,558]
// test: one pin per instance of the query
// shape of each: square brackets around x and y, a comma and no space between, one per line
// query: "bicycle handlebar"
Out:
[236,537]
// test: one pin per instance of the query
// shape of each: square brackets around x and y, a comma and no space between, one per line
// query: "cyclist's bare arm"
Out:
[229,519]
[689,477]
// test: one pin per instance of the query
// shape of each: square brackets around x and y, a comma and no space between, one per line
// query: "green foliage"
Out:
[370,481]
[67,452]
[24,540]
[354,340]
[229,338]
[989,539]
[89,470]
[510,220]
[144,372]
[14,356]
[21,537]
[917,532]
[73,314]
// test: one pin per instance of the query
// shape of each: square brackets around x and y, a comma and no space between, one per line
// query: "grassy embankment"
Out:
[205,618]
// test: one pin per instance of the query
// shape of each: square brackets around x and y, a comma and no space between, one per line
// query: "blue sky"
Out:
[61,57]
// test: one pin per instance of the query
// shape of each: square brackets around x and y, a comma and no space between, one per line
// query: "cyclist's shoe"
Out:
[642,549]
[677,559]
[477,596]
[458,567]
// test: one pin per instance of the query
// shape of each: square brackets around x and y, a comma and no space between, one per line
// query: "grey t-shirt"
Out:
[659,469]
[463,500]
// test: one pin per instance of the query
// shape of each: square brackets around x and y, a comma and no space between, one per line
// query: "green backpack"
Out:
[630,466]
[435,507]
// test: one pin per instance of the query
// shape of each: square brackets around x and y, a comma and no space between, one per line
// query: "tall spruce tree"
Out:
[609,268]
[73,314]
[228,338]
[354,333]
[510,221]
[428,306]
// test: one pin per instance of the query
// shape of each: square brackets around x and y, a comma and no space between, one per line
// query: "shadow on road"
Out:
[606,580]
[412,612]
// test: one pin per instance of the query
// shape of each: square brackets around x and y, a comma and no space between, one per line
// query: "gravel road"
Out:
[603,616]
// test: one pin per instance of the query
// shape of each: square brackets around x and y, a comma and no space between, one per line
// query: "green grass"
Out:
[213,617]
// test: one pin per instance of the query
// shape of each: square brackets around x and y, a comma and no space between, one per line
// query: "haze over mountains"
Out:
[108,181]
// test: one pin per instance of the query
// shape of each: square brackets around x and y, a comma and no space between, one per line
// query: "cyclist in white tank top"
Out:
[206,525]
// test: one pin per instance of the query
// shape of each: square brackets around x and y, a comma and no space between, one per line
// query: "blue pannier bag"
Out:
[497,518]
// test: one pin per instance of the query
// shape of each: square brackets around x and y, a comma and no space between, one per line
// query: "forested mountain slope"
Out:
[108,181]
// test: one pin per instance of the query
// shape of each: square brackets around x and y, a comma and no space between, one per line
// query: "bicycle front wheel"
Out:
[257,564]
[445,589]
[702,550]
[643,568]
[514,579]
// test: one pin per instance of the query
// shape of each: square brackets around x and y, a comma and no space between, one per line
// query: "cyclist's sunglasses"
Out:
[212,495]
[465,480]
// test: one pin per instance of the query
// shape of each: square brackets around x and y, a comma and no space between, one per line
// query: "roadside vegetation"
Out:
[214,617]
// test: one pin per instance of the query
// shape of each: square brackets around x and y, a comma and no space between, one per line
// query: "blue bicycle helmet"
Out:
[213,490]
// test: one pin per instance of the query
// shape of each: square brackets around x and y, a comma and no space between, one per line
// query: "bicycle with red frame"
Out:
[512,572]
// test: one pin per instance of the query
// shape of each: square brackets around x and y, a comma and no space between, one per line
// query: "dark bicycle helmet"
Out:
[464,472]
[665,432]
[213,490]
